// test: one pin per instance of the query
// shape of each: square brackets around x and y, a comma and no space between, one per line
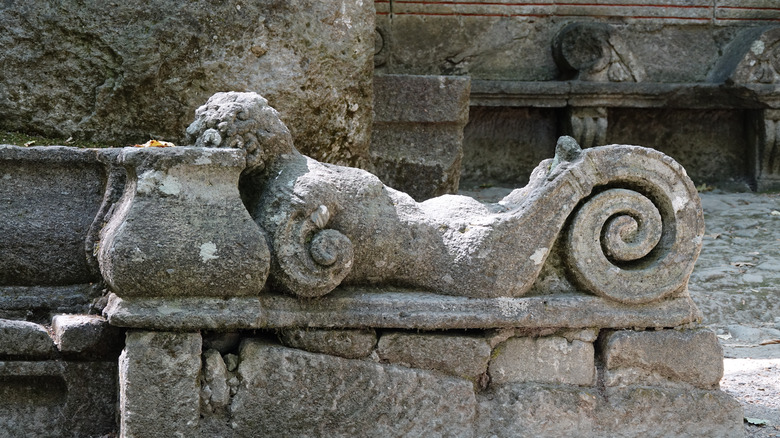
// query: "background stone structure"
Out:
[695,79]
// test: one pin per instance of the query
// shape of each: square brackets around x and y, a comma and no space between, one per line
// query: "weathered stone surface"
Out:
[458,355]
[540,410]
[295,393]
[456,245]
[214,393]
[48,200]
[549,359]
[181,228]
[25,339]
[47,299]
[662,358]
[418,148]
[142,69]
[383,308]
[86,336]
[159,384]
[352,344]
[55,399]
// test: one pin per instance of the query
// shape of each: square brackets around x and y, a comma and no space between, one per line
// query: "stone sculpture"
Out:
[620,215]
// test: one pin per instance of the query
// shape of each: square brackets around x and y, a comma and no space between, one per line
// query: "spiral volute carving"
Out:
[310,261]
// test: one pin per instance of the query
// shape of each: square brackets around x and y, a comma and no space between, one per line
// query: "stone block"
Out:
[49,197]
[549,359]
[312,59]
[352,344]
[289,392]
[215,393]
[531,410]
[57,399]
[418,148]
[25,339]
[662,358]
[159,384]
[458,355]
[88,336]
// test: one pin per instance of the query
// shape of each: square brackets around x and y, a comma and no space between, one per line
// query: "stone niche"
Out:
[255,291]
[691,78]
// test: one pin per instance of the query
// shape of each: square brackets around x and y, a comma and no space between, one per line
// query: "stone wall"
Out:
[127,72]
[694,79]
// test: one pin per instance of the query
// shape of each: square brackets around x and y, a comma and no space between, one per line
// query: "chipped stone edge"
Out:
[359,308]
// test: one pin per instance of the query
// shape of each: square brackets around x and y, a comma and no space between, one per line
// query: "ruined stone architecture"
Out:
[696,79]
[257,280]
[254,291]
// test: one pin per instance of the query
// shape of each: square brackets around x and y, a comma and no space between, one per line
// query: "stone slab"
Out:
[531,410]
[54,399]
[25,339]
[351,344]
[289,392]
[457,355]
[662,358]
[73,299]
[549,359]
[86,336]
[358,307]
[159,384]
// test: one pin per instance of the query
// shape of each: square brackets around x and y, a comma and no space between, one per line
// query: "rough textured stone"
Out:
[662,358]
[544,360]
[295,393]
[49,198]
[331,225]
[214,393]
[418,148]
[55,399]
[352,344]
[86,336]
[24,339]
[159,384]
[45,300]
[541,410]
[180,227]
[388,308]
[458,355]
[140,70]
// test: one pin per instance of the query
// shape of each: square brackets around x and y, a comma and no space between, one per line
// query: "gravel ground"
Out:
[736,285]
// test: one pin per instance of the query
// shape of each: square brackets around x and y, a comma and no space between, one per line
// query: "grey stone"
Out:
[214,392]
[49,197]
[56,399]
[457,355]
[25,339]
[456,245]
[181,228]
[159,384]
[549,359]
[663,357]
[352,344]
[48,299]
[71,69]
[87,336]
[295,393]
[529,410]
[388,308]
[418,148]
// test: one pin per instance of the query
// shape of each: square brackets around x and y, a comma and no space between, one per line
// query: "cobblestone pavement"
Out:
[736,285]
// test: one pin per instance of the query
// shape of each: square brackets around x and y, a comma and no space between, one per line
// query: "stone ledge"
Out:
[364,307]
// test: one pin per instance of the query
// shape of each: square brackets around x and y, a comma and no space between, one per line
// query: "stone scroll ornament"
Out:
[625,220]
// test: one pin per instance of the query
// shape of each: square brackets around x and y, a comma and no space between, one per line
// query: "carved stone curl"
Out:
[334,225]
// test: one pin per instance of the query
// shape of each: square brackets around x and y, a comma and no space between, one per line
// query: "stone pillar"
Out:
[587,125]
[417,141]
[767,149]
[159,391]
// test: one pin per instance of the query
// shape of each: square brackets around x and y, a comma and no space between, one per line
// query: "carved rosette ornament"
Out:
[595,52]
